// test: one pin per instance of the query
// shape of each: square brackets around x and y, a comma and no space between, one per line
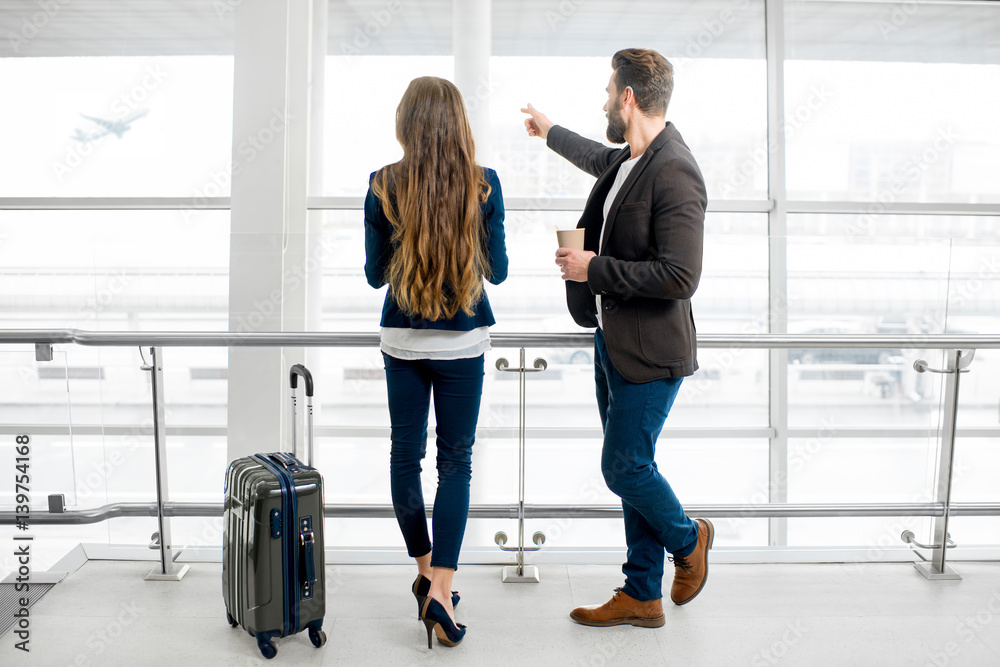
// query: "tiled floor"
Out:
[757,615]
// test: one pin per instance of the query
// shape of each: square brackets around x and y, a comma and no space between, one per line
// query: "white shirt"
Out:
[405,343]
[623,171]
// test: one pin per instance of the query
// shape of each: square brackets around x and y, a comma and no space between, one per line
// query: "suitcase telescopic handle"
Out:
[299,369]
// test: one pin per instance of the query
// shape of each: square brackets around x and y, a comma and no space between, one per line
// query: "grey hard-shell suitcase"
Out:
[272,555]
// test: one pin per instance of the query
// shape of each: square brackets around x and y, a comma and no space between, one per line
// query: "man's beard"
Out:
[616,124]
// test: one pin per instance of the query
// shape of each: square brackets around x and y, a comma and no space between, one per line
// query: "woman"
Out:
[433,230]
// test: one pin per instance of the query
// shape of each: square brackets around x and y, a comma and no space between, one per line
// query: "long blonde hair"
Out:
[432,198]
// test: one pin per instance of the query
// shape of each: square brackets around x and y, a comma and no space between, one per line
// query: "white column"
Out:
[319,30]
[256,382]
[777,264]
[295,258]
[471,42]
[303,255]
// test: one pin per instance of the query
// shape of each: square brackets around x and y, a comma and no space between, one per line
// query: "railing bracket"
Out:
[43,351]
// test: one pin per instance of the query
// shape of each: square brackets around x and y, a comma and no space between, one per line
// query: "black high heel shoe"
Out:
[422,588]
[433,614]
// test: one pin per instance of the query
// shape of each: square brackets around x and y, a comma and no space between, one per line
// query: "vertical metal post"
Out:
[937,568]
[166,570]
[521,415]
[520,573]
[774,31]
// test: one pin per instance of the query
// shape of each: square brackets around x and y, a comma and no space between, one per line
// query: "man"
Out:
[641,264]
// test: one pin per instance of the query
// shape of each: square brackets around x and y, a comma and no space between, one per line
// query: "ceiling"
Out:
[967,32]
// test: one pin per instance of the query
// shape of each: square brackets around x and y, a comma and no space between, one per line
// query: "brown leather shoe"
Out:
[621,610]
[691,571]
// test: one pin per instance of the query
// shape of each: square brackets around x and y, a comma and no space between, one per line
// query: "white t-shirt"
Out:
[405,343]
[623,171]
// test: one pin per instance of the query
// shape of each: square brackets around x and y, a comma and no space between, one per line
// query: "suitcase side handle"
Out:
[299,369]
[307,569]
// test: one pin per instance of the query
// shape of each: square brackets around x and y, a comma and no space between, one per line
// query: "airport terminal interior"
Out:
[183,224]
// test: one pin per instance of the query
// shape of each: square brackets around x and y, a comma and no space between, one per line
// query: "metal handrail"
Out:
[531,511]
[498,339]
[940,510]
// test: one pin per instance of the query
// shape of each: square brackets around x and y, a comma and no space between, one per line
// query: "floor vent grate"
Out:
[10,602]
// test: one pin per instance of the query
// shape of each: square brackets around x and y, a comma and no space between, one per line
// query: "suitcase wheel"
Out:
[317,637]
[268,650]
[231,620]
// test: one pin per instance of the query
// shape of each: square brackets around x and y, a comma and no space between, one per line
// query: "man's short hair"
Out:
[650,76]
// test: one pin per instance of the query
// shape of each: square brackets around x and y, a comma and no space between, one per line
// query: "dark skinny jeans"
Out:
[457,385]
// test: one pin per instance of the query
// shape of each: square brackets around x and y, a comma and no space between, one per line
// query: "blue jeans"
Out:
[632,416]
[458,389]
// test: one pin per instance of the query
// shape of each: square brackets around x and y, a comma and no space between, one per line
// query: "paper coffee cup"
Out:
[570,238]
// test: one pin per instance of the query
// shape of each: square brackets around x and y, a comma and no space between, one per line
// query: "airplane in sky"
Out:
[116,127]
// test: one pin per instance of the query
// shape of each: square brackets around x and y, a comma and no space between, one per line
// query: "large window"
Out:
[859,124]
[892,101]
[560,61]
[888,104]
[111,100]
[876,211]
[149,126]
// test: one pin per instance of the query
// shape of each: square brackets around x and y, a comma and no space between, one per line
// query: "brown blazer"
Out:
[650,263]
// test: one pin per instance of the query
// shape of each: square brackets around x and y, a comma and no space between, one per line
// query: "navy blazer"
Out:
[379,248]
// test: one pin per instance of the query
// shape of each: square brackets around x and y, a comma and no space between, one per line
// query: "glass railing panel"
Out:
[350,392]
[976,468]
[129,462]
[974,307]
[37,396]
[831,468]
[196,469]
[877,538]
[729,390]
[118,271]
[37,414]
[567,471]
[842,284]
[351,397]
[969,531]
[564,440]
[856,278]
